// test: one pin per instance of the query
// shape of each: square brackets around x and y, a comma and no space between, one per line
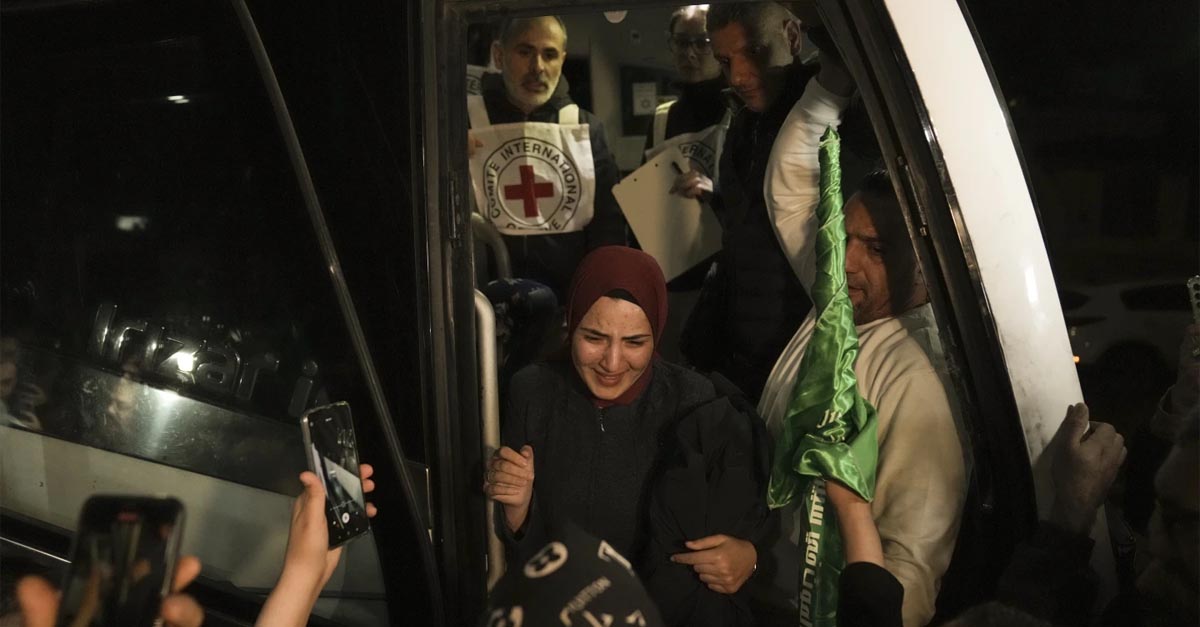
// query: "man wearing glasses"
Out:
[696,123]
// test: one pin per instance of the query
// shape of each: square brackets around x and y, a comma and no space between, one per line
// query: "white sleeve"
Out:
[920,487]
[791,187]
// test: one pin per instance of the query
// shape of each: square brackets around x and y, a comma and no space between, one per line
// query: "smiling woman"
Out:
[654,459]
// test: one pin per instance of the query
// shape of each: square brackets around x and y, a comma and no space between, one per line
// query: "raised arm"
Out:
[791,187]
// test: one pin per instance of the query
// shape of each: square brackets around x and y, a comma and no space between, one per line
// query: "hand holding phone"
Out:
[332,454]
[37,599]
[308,539]
[125,550]
[309,562]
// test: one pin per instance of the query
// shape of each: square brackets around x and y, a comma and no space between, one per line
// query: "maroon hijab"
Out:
[609,271]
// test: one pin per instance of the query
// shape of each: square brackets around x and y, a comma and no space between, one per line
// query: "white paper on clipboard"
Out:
[678,232]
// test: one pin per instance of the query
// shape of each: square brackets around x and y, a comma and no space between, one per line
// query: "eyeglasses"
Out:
[699,43]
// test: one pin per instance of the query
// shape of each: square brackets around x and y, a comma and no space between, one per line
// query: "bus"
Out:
[218,214]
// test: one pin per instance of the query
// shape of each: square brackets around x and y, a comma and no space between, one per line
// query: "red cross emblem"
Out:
[528,191]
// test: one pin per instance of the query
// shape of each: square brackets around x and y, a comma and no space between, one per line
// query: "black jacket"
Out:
[551,259]
[700,105]
[680,463]
[754,302]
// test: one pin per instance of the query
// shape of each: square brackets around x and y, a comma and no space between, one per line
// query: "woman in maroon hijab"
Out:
[642,453]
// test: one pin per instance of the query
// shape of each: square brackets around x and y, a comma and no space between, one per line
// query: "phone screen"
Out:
[124,552]
[333,456]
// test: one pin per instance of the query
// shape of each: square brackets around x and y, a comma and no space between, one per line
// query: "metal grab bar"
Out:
[486,233]
[489,411]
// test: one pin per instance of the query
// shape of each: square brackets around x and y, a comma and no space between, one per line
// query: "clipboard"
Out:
[678,232]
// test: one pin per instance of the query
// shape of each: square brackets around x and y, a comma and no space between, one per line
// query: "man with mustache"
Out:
[920,483]
[529,88]
[752,301]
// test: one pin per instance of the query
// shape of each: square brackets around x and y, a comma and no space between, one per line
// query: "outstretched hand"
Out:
[38,600]
[309,562]
[1085,459]
[308,551]
[723,562]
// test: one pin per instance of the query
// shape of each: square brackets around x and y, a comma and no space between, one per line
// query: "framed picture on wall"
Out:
[642,90]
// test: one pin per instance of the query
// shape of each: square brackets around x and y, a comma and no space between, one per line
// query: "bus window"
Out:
[166,313]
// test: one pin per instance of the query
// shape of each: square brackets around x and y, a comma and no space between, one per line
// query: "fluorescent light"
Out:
[132,223]
[176,98]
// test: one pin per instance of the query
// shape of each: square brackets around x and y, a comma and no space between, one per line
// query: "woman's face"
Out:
[612,347]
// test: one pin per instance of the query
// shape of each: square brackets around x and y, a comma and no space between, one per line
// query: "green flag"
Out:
[829,430]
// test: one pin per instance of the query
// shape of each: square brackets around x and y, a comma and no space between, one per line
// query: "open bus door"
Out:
[943,130]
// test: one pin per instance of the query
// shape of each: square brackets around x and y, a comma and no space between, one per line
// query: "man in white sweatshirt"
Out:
[921,477]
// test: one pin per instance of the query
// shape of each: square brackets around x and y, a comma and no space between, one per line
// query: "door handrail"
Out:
[489,412]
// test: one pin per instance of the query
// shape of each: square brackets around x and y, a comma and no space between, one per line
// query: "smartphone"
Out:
[122,561]
[333,456]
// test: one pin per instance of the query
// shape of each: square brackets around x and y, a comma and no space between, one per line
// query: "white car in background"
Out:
[1130,327]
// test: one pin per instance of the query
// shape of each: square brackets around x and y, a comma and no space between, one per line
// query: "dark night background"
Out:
[1104,98]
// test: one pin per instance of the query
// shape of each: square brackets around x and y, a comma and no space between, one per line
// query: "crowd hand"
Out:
[692,184]
[1185,395]
[1085,458]
[508,480]
[38,600]
[309,562]
[723,562]
[860,536]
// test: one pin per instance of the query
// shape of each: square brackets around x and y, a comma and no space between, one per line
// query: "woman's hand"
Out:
[508,480]
[723,562]
[860,536]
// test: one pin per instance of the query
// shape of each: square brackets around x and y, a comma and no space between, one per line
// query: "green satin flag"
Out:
[829,430]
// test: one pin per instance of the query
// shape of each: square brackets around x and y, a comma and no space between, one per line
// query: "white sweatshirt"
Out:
[920,485]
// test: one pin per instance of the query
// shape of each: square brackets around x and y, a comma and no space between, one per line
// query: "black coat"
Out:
[680,463]
[551,259]
[753,303]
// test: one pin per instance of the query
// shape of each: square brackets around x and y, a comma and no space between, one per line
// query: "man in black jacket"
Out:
[752,302]
[530,88]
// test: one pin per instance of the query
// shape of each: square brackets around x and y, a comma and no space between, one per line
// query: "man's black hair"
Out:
[751,15]
[879,197]
[879,184]
[511,26]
